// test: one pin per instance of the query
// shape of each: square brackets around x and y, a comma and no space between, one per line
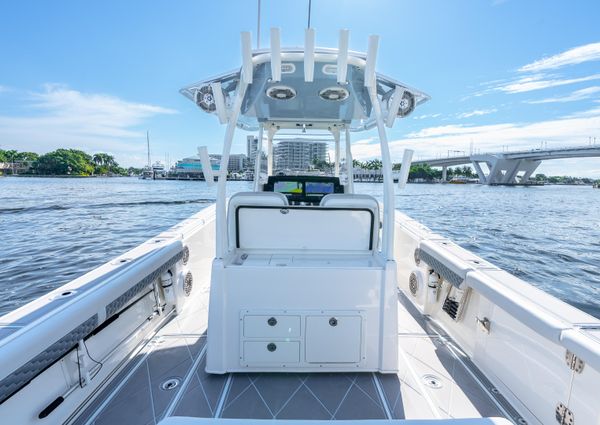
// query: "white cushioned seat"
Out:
[252,199]
[351,200]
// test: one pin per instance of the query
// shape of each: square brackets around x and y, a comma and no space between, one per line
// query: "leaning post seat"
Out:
[345,224]
[257,199]
[350,200]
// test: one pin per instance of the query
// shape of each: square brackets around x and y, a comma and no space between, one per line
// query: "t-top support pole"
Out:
[221,208]
[336,136]
[270,134]
[349,163]
[388,182]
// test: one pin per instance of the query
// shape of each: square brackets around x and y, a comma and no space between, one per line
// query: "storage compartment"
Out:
[271,352]
[272,326]
[333,339]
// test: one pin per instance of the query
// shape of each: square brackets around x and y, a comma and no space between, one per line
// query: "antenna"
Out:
[309,7]
[258,27]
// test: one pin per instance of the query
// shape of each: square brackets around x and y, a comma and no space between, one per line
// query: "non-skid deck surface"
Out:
[137,396]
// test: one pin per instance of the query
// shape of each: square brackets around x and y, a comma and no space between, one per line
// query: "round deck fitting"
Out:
[432,381]
[170,384]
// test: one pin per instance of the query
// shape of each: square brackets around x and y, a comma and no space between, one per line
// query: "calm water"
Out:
[54,230]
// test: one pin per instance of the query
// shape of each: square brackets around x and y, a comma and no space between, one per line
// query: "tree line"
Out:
[63,162]
[420,171]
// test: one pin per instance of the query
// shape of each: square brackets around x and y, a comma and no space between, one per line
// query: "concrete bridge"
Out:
[510,167]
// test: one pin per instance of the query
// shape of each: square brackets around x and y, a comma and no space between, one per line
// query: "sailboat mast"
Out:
[148,142]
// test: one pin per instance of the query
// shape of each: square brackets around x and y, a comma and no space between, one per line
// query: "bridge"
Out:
[508,168]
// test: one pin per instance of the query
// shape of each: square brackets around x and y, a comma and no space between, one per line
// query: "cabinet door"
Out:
[271,352]
[271,326]
[333,339]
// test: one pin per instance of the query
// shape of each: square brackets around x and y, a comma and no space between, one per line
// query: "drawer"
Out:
[271,352]
[333,339]
[274,326]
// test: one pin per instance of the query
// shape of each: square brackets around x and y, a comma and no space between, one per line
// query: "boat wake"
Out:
[39,208]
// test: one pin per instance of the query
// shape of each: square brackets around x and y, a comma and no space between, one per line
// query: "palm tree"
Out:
[98,159]
[357,164]
[109,161]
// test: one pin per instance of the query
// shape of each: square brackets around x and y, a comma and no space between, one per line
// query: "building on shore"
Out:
[192,166]
[364,175]
[15,167]
[251,149]
[298,154]
[238,162]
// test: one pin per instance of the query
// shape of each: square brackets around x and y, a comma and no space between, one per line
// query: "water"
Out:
[54,230]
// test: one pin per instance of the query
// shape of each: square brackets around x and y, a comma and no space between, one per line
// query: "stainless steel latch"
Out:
[484,324]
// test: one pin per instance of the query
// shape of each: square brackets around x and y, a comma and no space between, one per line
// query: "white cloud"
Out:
[422,117]
[62,117]
[437,141]
[587,113]
[585,53]
[536,76]
[454,129]
[477,112]
[3,89]
[539,81]
[575,96]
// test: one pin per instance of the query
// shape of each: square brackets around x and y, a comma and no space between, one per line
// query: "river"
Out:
[54,230]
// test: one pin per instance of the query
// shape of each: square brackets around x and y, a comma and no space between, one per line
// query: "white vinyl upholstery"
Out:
[344,223]
[350,200]
[252,199]
[304,229]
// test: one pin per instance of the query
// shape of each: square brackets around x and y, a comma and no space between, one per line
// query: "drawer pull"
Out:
[333,321]
[272,321]
[271,347]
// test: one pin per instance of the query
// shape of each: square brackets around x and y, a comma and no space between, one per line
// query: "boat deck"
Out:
[435,381]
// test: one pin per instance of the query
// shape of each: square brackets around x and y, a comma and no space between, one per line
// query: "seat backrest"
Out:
[257,199]
[342,223]
[351,200]
[304,228]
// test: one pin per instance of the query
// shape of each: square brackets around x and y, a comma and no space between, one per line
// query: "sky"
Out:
[502,74]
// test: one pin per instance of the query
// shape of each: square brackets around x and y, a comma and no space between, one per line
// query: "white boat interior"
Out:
[301,299]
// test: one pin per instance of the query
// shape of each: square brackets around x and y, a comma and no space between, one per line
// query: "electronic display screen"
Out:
[288,187]
[318,188]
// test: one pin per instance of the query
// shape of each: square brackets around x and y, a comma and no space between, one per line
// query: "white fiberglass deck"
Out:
[435,381]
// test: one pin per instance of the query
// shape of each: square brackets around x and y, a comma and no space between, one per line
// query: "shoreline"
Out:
[67,176]
[51,176]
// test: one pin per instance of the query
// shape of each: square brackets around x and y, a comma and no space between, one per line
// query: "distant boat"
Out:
[152,171]
[146,173]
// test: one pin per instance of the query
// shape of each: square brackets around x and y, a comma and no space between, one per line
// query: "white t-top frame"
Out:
[343,58]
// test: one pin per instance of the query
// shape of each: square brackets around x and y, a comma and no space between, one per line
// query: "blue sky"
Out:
[97,75]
